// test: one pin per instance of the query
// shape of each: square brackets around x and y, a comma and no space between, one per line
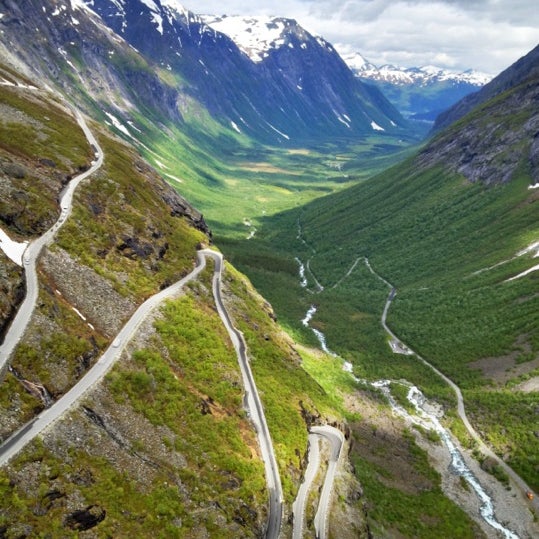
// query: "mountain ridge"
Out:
[419,93]
[524,68]
[493,144]
[427,74]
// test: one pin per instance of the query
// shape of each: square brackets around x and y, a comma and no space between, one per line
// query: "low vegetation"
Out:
[440,241]
[41,147]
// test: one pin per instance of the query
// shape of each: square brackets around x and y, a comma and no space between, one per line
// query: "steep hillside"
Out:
[454,230]
[163,445]
[516,74]
[495,142]
[39,152]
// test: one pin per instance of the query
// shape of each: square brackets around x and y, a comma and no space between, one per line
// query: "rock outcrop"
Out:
[498,139]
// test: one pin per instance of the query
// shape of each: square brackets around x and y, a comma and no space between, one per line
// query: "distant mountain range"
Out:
[418,92]
[169,60]
[411,75]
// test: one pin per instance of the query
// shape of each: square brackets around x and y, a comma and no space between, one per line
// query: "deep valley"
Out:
[218,264]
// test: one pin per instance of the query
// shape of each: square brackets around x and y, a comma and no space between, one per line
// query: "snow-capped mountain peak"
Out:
[357,62]
[173,7]
[79,4]
[424,75]
[256,36]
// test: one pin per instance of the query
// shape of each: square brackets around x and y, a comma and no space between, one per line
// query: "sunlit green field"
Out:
[238,184]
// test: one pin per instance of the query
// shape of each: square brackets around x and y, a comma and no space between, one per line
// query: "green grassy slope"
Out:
[164,445]
[438,239]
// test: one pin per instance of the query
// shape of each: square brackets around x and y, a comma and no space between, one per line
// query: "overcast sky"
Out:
[486,35]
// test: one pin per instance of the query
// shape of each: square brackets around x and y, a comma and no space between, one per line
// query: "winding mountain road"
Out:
[32,252]
[321,520]
[399,347]
[28,432]
[47,417]
[254,406]
[298,507]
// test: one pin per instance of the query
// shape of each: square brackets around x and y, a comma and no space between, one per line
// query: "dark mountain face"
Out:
[314,80]
[499,138]
[527,68]
[156,55]
[211,66]
[298,90]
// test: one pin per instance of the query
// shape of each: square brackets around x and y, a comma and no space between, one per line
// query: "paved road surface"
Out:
[47,417]
[254,407]
[28,432]
[298,507]
[321,519]
[336,440]
[18,326]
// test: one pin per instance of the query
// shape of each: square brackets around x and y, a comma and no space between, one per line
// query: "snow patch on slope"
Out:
[174,5]
[12,249]
[255,36]
[118,125]
[156,14]
[78,4]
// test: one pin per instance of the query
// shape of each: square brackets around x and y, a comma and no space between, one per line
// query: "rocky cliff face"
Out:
[74,51]
[527,68]
[154,56]
[499,138]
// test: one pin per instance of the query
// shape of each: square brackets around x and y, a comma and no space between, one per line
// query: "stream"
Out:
[427,416]
[318,334]
[428,419]
[302,279]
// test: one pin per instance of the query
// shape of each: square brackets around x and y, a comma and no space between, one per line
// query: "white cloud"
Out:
[487,35]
